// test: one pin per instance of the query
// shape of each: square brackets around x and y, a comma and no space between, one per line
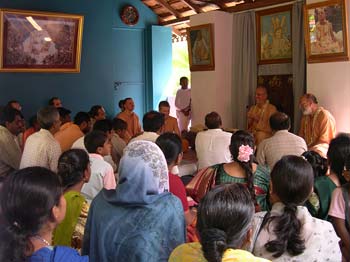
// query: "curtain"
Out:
[244,76]
[299,60]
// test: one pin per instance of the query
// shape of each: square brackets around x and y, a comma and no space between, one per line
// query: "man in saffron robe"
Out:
[317,125]
[259,115]
[170,123]
[132,120]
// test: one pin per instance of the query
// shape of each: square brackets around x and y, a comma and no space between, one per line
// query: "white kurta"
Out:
[183,100]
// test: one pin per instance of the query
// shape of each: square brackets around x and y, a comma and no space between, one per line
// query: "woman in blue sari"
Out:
[139,220]
[32,205]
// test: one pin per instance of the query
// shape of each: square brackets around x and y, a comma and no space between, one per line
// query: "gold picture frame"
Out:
[201,47]
[326,31]
[33,41]
[274,35]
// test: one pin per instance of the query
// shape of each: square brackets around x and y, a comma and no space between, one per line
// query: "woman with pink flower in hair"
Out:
[244,170]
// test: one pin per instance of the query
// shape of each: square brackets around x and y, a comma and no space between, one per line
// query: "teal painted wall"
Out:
[95,82]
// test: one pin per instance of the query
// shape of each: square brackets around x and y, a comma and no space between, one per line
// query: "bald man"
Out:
[317,125]
[259,115]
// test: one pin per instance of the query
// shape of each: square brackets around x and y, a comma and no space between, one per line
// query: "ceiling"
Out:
[176,13]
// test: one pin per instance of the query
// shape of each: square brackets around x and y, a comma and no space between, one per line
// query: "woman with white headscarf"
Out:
[140,220]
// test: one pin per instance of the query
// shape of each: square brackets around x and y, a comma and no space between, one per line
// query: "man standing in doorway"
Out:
[183,104]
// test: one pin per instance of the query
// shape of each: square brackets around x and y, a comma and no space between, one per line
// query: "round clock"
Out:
[129,15]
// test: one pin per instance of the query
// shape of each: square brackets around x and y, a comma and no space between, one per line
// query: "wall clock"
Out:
[129,15]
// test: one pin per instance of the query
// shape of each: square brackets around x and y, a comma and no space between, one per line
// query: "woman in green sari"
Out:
[324,185]
[74,171]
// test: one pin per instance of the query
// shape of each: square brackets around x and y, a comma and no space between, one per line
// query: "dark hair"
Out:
[152,121]
[8,114]
[292,180]
[338,151]
[119,124]
[104,125]
[52,99]
[223,219]
[81,117]
[94,140]
[163,104]
[9,103]
[63,111]
[317,162]
[126,99]
[183,78]
[94,110]
[121,104]
[171,146]
[27,198]
[47,116]
[213,120]
[238,139]
[71,166]
[32,121]
[279,121]
[347,163]
[311,98]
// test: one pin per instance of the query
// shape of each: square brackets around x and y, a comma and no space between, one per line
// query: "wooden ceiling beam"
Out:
[170,8]
[194,7]
[255,5]
[176,21]
[220,4]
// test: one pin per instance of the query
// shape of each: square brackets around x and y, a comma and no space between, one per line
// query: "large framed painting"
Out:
[274,35]
[201,47]
[34,41]
[326,31]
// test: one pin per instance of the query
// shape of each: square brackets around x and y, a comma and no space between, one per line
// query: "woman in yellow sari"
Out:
[224,225]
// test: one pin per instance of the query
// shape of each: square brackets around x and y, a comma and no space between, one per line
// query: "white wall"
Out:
[211,90]
[330,83]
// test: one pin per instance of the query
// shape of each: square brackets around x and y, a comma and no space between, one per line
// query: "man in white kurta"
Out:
[212,145]
[183,104]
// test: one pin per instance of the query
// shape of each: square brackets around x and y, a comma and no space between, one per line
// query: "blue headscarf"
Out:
[140,220]
[143,174]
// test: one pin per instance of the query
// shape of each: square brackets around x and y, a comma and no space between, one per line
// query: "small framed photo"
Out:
[274,35]
[326,31]
[34,41]
[201,47]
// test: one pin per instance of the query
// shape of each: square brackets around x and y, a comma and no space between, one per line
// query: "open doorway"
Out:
[180,67]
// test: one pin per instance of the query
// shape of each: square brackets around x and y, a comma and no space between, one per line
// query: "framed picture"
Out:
[274,35]
[326,31]
[34,41]
[201,47]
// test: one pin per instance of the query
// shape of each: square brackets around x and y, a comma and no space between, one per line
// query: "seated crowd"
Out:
[95,189]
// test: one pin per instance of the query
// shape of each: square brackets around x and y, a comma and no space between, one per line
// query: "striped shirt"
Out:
[280,144]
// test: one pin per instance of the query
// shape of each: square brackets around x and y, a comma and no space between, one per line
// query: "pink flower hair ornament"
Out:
[244,153]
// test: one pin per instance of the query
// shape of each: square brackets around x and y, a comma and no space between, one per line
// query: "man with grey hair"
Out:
[41,148]
[317,125]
